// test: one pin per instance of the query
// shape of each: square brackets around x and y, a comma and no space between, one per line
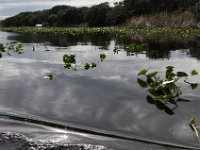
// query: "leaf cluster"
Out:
[69,60]
[136,48]
[195,127]
[12,46]
[164,90]
[102,56]
[88,66]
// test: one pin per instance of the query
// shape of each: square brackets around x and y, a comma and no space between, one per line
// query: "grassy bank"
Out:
[164,19]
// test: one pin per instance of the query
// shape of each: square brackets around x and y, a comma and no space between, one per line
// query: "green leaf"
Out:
[93,65]
[194,85]
[169,72]
[194,72]
[154,84]
[169,67]
[181,74]
[150,100]
[193,120]
[70,59]
[2,48]
[50,76]
[67,66]
[152,74]
[155,92]
[160,105]
[168,96]
[87,66]
[102,56]
[149,80]
[168,110]
[19,48]
[116,50]
[142,72]
[159,97]
[142,83]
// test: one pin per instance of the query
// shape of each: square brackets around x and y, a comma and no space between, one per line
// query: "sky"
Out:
[12,7]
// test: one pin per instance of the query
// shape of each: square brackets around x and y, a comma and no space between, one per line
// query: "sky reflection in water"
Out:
[107,97]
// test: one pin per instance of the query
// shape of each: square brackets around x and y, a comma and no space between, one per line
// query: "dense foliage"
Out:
[100,15]
[138,7]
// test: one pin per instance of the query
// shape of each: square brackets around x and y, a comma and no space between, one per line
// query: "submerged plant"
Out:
[164,91]
[195,127]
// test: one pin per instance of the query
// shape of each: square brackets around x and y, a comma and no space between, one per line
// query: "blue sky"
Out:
[13,7]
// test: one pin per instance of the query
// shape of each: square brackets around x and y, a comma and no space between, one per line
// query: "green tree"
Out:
[97,15]
[116,15]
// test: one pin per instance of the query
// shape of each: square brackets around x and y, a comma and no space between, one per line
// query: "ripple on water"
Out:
[183,132]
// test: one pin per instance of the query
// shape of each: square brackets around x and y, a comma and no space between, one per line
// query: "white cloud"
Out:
[79,3]
[3,17]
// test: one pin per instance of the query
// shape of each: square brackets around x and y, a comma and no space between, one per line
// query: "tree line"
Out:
[101,14]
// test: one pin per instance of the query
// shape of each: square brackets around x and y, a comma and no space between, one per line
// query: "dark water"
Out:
[106,102]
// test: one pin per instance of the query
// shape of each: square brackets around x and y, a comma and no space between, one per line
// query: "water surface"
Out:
[106,99]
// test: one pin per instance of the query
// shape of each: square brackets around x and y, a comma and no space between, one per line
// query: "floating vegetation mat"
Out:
[118,31]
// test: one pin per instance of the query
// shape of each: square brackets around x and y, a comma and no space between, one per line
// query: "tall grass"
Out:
[164,19]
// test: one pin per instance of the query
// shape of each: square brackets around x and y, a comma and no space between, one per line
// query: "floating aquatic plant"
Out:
[136,48]
[194,72]
[49,76]
[70,62]
[116,50]
[117,31]
[164,91]
[195,127]
[19,48]
[102,56]
[2,48]
[87,66]
[12,46]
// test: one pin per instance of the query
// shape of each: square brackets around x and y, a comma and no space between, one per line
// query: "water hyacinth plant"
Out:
[87,66]
[164,91]
[195,127]
[12,46]
[116,50]
[137,48]
[19,48]
[2,49]
[102,56]
[70,62]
